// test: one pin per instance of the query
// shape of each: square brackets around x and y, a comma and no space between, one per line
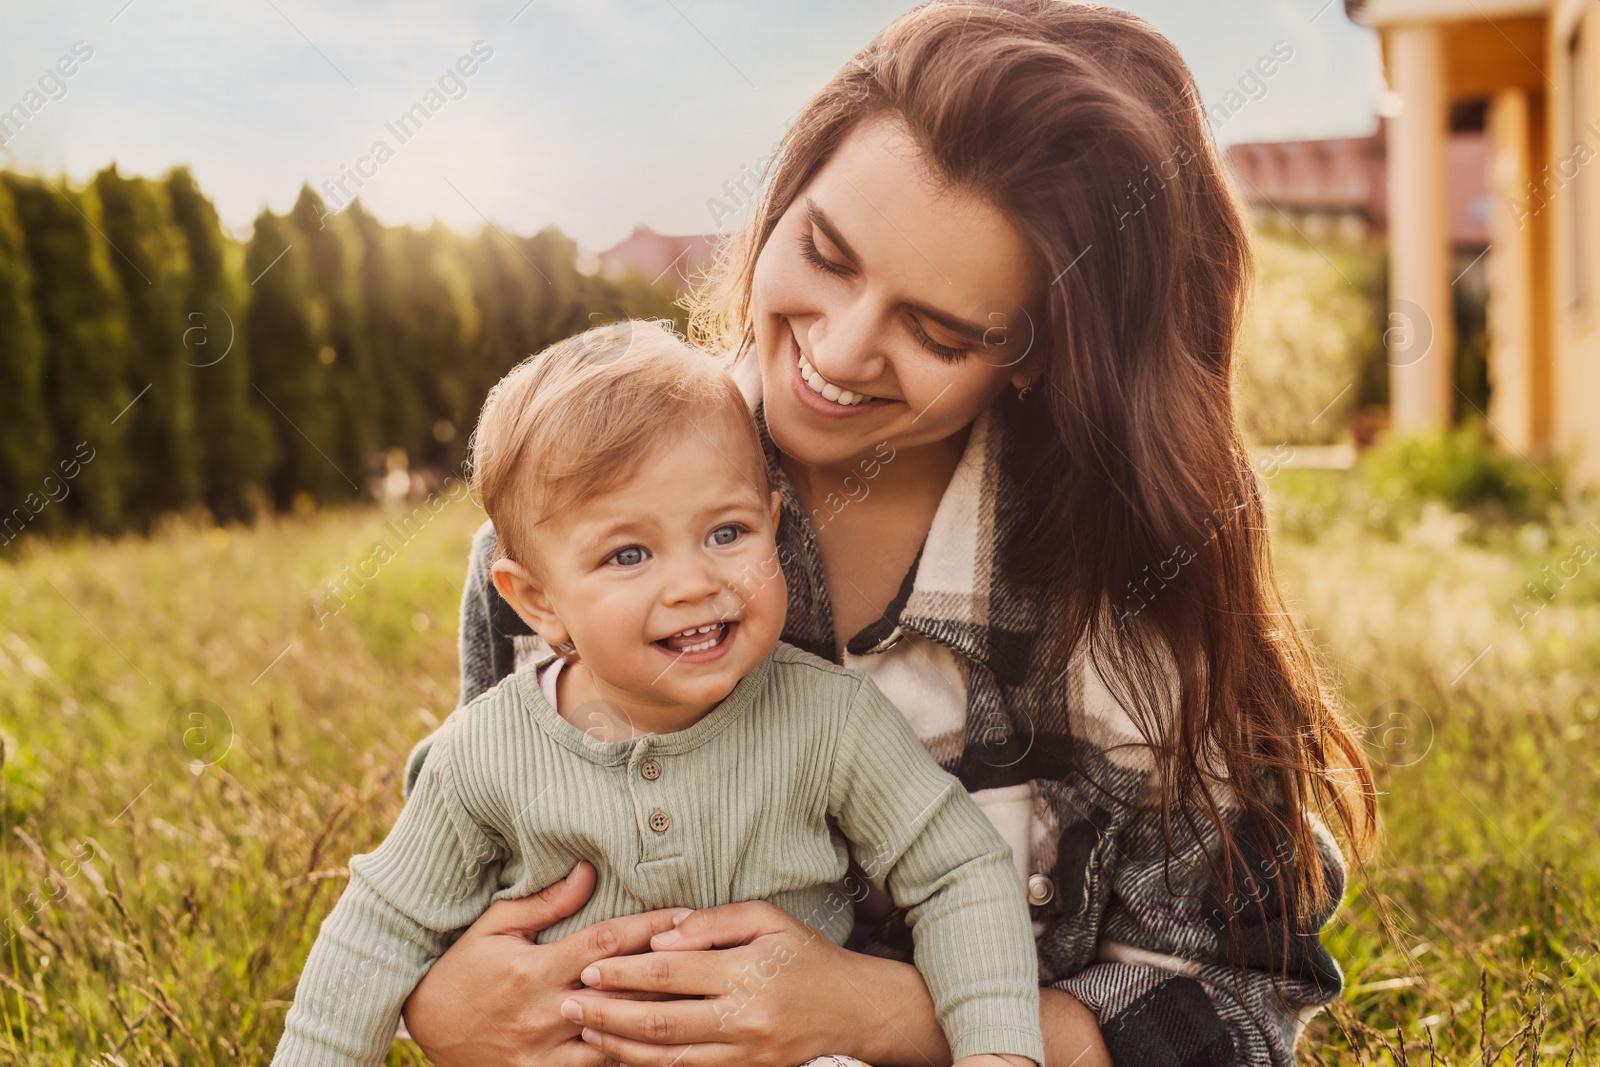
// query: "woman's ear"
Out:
[527,597]
[777,508]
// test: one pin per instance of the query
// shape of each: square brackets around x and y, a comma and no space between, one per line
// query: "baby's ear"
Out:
[527,597]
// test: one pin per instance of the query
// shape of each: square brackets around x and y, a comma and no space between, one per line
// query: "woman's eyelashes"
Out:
[813,255]
[944,352]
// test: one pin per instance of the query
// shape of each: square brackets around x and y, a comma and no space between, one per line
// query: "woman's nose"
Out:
[845,344]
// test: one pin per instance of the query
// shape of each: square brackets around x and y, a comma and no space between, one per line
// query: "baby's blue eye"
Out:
[725,535]
[631,556]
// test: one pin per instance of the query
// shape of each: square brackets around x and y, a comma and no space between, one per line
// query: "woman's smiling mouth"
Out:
[832,392]
[821,395]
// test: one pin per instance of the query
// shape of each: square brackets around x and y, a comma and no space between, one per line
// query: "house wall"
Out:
[1573,254]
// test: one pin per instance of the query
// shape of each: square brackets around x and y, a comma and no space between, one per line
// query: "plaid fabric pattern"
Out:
[1133,927]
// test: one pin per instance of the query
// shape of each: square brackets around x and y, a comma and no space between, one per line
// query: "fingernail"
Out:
[590,975]
[678,917]
[590,1036]
[571,1010]
[667,937]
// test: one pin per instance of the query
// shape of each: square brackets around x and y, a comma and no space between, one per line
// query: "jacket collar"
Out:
[955,592]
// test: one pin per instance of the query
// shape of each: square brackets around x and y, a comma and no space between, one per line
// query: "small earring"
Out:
[1022,394]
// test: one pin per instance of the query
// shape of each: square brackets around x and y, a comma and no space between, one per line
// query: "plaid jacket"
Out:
[1129,927]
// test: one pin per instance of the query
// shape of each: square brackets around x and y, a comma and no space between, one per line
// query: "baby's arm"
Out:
[915,830]
[433,874]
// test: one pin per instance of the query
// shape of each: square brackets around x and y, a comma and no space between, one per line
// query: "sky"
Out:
[589,115]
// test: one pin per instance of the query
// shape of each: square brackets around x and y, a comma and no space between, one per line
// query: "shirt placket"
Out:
[659,818]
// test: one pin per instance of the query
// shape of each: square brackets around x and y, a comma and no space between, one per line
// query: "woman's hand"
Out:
[494,999]
[779,994]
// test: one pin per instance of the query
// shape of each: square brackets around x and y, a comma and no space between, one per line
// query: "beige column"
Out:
[1420,332]
[1512,353]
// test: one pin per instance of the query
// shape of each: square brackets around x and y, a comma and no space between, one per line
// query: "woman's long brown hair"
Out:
[1084,125]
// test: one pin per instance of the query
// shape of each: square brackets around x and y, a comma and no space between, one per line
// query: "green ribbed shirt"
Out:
[802,767]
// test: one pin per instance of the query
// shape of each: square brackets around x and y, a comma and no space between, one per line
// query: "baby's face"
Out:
[669,584]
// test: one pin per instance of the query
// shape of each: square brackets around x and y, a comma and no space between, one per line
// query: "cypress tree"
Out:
[391,326]
[445,324]
[334,252]
[284,327]
[150,262]
[506,297]
[234,436]
[163,363]
[80,313]
[26,446]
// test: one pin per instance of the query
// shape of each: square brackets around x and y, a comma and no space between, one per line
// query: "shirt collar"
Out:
[955,592]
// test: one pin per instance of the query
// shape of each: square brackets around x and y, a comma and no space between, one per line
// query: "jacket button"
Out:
[1041,890]
[650,770]
[659,821]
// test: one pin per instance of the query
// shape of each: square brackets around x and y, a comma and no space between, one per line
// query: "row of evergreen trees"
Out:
[193,370]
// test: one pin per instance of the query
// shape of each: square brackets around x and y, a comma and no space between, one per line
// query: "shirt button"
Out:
[650,770]
[659,821]
[1041,890]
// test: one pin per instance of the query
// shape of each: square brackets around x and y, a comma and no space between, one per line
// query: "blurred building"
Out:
[658,257]
[1530,66]
[1339,186]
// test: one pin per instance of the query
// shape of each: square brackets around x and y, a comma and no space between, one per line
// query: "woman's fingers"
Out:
[660,1022]
[786,996]
[642,1054]
[575,1053]
[531,914]
[614,937]
[686,974]
[727,926]
[735,984]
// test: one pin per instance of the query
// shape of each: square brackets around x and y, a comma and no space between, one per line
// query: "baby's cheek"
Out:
[766,607]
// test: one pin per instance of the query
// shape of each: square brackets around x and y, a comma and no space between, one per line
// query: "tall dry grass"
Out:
[164,874]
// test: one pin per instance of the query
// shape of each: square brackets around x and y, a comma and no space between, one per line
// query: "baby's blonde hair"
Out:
[578,417]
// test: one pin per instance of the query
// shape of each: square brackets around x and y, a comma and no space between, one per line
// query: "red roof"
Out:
[1349,175]
[655,256]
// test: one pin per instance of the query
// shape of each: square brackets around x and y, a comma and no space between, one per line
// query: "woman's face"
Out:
[887,307]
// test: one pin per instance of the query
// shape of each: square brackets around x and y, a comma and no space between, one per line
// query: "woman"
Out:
[986,310]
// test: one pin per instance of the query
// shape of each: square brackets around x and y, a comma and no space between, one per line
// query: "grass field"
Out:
[195,744]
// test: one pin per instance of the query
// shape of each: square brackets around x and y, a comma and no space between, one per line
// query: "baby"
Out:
[672,740]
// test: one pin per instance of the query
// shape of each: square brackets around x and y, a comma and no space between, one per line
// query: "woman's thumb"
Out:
[531,914]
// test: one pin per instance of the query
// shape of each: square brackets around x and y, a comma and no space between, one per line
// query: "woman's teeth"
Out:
[826,389]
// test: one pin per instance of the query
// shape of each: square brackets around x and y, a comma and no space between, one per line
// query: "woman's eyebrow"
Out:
[821,221]
[972,333]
